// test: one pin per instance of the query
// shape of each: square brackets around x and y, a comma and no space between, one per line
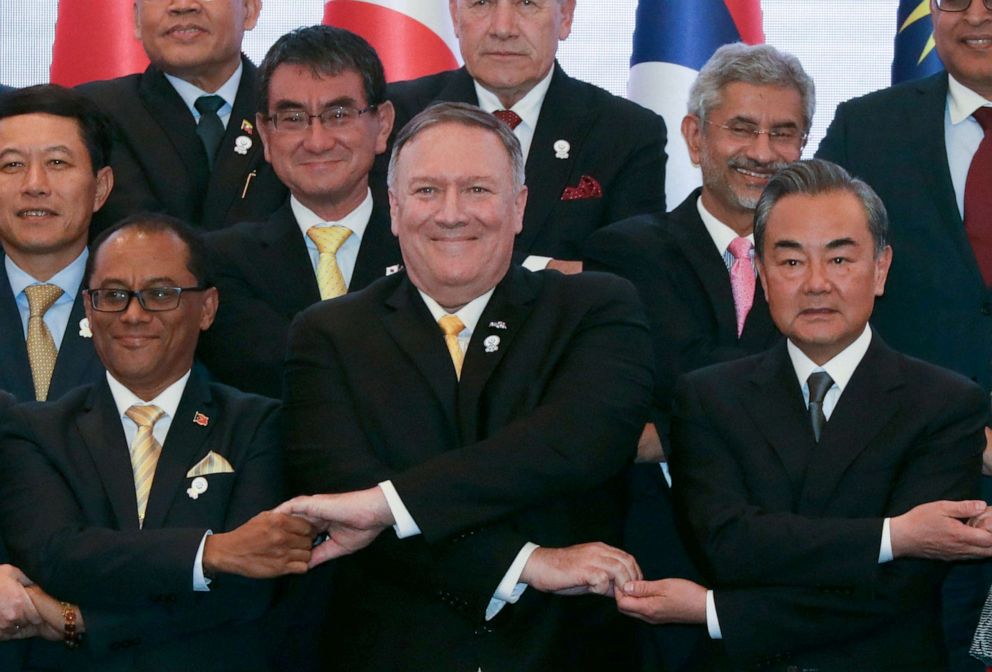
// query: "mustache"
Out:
[746,163]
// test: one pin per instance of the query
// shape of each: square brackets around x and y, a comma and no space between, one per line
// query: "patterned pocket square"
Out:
[589,187]
[211,464]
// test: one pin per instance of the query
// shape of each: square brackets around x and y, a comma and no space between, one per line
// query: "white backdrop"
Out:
[846,45]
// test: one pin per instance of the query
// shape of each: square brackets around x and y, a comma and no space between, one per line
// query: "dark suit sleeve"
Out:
[833,146]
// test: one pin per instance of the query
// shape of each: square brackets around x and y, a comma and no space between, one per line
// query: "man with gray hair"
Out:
[483,411]
[814,477]
[749,113]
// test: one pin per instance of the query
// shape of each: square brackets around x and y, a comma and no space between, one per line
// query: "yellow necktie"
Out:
[41,346]
[328,240]
[144,453]
[452,326]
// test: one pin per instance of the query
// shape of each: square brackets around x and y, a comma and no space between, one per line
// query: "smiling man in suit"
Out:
[813,476]
[482,409]
[54,147]
[324,118]
[592,158]
[187,144]
[152,480]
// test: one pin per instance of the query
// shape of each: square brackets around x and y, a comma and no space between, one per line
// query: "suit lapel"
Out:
[100,428]
[184,446]
[459,89]
[76,355]
[410,324]
[867,404]
[501,321]
[15,371]
[283,262]
[379,250]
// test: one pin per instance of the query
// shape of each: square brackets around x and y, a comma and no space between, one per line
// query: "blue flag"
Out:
[915,55]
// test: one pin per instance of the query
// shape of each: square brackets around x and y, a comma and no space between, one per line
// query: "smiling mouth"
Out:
[983,42]
[185,31]
[30,213]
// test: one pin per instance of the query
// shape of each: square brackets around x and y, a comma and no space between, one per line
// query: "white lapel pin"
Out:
[497,324]
[197,487]
[491,343]
[242,144]
[390,270]
[562,148]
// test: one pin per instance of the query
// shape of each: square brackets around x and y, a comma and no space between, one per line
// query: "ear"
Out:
[453,10]
[692,131]
[104,185]
[263,131]
[521,204]
[211,299]
[394,209]
[759,265]
[252,9]
[387,115]
[137,21]
[567,13]
[882,265]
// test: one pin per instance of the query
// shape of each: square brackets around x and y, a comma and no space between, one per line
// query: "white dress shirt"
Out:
[962,133]
[167,400]
[355,221]
[190,92]
[68,280]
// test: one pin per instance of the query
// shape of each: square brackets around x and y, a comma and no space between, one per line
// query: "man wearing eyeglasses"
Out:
[922,147]
[188,144]
[135,501]
[324,118]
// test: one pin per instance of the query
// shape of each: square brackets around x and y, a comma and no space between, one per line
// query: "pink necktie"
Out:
[742,279]
[978,198]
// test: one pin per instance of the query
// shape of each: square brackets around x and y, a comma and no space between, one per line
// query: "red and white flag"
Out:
[412,37]
[95,40]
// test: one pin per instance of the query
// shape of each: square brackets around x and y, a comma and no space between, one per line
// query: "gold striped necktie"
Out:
[329,240]
[41,346]
[452,326]
[145,452]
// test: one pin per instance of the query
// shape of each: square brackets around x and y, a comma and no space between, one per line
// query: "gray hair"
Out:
[464,115]
[759,65]
[812,178]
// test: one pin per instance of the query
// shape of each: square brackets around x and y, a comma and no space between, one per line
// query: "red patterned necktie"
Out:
[978,198]
[508,117]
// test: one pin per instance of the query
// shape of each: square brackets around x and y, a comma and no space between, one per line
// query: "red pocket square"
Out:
[588,188]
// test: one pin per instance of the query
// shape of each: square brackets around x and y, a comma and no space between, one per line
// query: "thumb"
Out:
[638,588]
[963,509]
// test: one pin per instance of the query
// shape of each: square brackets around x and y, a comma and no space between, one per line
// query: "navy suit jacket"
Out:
[160,164]
[612,140]
[77,363]
[80,540]
[265,277]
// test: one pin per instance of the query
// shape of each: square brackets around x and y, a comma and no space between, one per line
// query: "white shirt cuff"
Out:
[885,552]
[404,525]
[510,589]
[666,473]
[536,263]
[201,583]
[712,622]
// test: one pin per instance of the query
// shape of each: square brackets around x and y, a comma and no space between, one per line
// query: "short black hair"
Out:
[326,50]
[198,259]
[95,128]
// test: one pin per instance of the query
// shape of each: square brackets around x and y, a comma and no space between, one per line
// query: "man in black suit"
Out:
[187,143]
[749,113]
[811,476]
[5,89]
[54,146]
[592,158]
[324,117]
[151,480]
[506,432]
[914,144]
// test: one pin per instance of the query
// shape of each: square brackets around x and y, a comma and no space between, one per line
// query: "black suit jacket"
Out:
[77,363]
[10,652]
[5,89]
[613,140]
[160,164]
[265,277]
[934,279]
[552,397]
[789,530]
[80,540]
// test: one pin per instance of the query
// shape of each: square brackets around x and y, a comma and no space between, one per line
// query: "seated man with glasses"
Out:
[924,147]
[324,118]
[135,502]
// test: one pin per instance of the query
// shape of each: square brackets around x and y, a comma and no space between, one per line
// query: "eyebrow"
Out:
[20,152]
[841,242]
[340,101]
[151,282]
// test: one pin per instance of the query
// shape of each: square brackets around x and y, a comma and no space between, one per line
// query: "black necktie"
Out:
[210,129]
[818,382]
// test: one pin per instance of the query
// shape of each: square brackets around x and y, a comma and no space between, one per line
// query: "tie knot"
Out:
[819,382]
[41,298]
[741,248]
[508,117]
[983,116]
[328,239]
[451,325]
[208,104]
[144,416]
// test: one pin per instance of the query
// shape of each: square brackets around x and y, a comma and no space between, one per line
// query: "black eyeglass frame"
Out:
[988,5]
[139,294]
[334,120]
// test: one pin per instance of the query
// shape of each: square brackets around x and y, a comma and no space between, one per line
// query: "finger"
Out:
[329,550]
[288,506]
[20,576]
[963,509]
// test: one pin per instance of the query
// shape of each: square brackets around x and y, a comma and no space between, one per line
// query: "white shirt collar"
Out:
[527,108]
[68,279]
[356,220]
[721,234]
[962,101]
[190,92]
[840,368]
[168,399]
[469,314]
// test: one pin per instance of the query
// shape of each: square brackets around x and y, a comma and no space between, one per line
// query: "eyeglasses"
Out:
[153,299]
[339,116]
[958,5]
[785,136]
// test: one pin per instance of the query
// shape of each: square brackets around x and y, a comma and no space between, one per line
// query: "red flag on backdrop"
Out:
[412,37]
[95,40]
